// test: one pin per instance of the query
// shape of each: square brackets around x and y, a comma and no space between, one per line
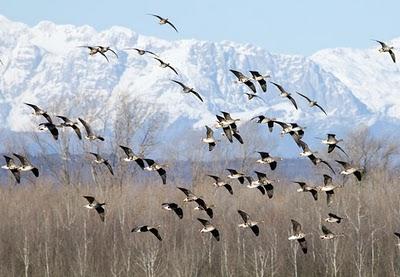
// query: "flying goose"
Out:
[248,223]
[145,228]
[105,49]
[89,133]
[69,123]
[100,160]
[260,79]
[93,204]
[222,123]
[332,218]
[350,169]
[251,96]
[165,65]
[39,111]
[210,140]
[49,127]
[328,234]
[265,120]
[10,165]
[312,103]
[266,183]
[164,21]
[187,89]
[316,161]
[141,52]
[306,188]
[286,94]
[332,143]
[290,128]
[306,150]
[233,174]
[267,159]
[130,156]
[202,206]
[298,235]
[26,165]
[219,183]
[173,207]
[153,166]
[233,127]
[93,50]
[190,196]
[208,227]
[386,48]
[241,78]
[255,184]
[328,188]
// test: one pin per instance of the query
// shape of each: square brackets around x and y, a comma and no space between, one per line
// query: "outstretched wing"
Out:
[180,83]
[292,100]
[197,95]
[245,216]
[172,25]
[302,95]
[109,167]
[86,126]
[155,232]
[392,55]
[325,230]
[173,69]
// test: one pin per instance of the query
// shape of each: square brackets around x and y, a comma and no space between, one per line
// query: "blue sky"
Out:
[284,26]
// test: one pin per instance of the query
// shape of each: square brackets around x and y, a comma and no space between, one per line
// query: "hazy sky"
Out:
[283,26]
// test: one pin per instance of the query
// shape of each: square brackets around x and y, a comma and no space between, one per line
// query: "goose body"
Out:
[94,204]
[131,156]
[146,228]
[248,223]
[298,235]
[90,135]
[209,228]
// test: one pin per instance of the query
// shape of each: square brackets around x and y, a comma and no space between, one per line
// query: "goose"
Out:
[298,235]
[316,161]
[208,227]
[312,103]
[290,128]
[328,234]
[69,123]
[267,184]
[265,120]
[173,207]
[286,94]
[241,78]
[222,123]
[153,166]
[187,89]
[105,49]
[328,188]
[94,204]
[165,65]
[267,159]
[251,96]
[386,48]
[233,174]
[228,118]
[235,133]
[255,184]
[49,127]
[306,188]
[233,127]
[350,169]
[332,218]
[100,160]
[202,206]
[332,143]
[130,156]
[306,150]
[10,165]
[93,50]
[145,228]
[141,52]
[219,183]
[164,21]
[89,133]
[190,196]
[260,79]
[26,165]
[210,140]
[38,111]
[248,223]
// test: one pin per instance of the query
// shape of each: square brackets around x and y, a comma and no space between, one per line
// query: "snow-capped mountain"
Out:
[44,66]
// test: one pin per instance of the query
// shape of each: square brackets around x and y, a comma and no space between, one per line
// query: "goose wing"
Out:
[245,216]
[163,175]
[36,108]
[24,161]
[392,55]
[197,95]
[109,167]
[88,130]
[128,151]
[155,232]
[215,234]
[303,245]
[281,89]
[100,210]
[172,25]
[322,109]
[229,188]
[325,230]
[381,43]
[205,222]
[296,226]
[173,69]
[292,100]
[210,132]
[90,199]
[180,83]
[302,95]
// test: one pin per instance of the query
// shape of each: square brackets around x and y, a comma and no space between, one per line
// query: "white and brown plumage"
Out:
[209,139]
[266,158]
[298,235]
[260,79]
[306,188]
[190,196]
[266,183]
[69,123]
[328,234]
[229,126]
[47,126]
[153,166]
[90,135]
[13,167]
[248,223]
[94,204]
[165,65]
[173,207]
[131,156]
[293,129]
[265,120]
[39,111]
[141,52]
[332,218]
[219,183]
[286,94]
[202,206]
[163,21]
[386,48]
[255,184]
[187,89]
[312,103]
[146,228]
[328,187]
[209,228]
[350,169]
[241,78]
[332,143]
[93,50]
[100,160]
[26,165]
[234,174]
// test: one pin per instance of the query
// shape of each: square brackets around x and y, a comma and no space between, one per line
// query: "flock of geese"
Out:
[230,131]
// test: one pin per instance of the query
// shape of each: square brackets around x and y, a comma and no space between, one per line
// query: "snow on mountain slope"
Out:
[43,65]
